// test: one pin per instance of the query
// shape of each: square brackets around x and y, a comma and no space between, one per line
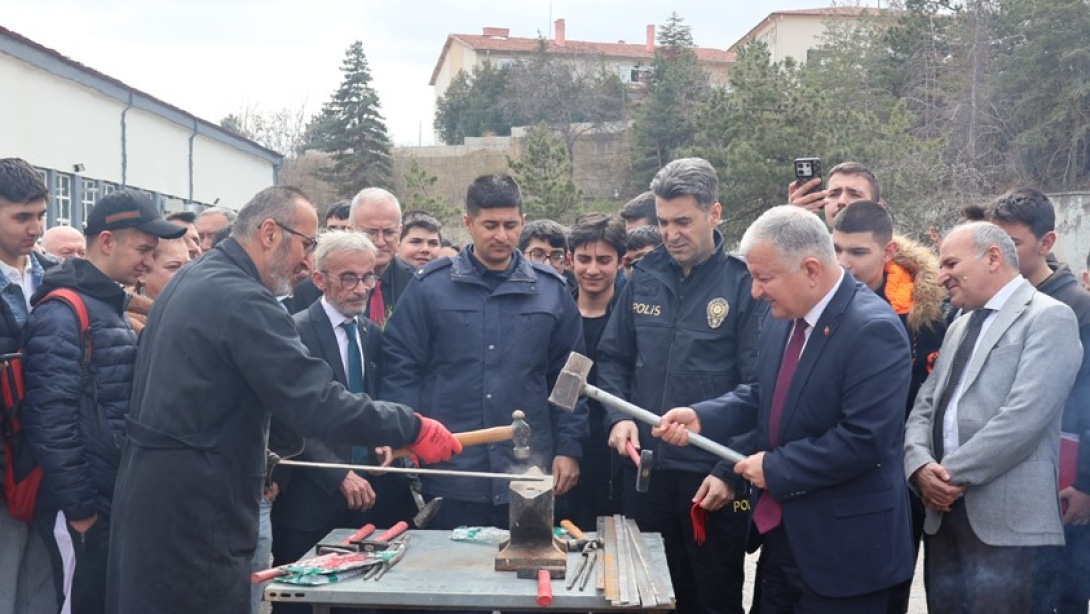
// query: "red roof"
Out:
[516,45]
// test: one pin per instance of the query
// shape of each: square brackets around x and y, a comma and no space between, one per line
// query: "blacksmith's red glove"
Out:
[435,444]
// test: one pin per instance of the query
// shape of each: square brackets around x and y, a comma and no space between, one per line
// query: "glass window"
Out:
[90,195]
[62,196]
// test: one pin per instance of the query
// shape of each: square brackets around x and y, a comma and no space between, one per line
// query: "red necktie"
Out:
[767,514]
[376,309]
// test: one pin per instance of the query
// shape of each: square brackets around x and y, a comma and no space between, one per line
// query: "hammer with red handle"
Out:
[270,574]
[359,537]
[643,460]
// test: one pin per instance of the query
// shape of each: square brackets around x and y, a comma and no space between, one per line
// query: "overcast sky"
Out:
[214,57]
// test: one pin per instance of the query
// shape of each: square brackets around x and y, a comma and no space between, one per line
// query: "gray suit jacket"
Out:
[1013,394]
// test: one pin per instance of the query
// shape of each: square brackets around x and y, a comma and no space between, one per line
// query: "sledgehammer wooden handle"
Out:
[473,438]
[572,530]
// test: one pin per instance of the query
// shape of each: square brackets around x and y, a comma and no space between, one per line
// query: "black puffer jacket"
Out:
[77,428]
[1063,287]
[675,341]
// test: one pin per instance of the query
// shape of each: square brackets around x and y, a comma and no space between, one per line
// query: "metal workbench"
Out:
[438,573]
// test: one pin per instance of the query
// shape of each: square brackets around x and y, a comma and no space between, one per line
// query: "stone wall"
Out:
[600,163]
[1073,228]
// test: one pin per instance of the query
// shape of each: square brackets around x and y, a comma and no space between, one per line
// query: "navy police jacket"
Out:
[468,356]
[674,341]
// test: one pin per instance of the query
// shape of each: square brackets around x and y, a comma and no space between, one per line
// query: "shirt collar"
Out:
[13,273]
[1000,298]
[815,312]
[336,317]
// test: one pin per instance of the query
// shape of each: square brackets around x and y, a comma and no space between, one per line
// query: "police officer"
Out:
[685,327]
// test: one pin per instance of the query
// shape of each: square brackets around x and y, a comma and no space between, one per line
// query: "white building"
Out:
[798,33]
[91,134]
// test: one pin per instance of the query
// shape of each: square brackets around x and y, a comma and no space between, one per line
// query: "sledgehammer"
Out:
[518,432]
[572,382]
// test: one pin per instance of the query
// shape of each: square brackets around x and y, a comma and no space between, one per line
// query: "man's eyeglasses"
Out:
[349,281]
[309,243]
[539,255]
[389,235]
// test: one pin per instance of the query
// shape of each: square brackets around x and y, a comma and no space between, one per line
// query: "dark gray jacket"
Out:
[218,357]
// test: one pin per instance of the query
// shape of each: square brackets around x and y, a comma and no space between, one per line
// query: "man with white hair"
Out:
[376,213]
[64,242]
[823,425]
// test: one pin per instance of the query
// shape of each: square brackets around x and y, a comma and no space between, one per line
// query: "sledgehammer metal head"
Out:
[520,434]
[644,461]
[570,382]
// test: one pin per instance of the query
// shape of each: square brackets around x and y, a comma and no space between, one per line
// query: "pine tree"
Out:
[664,122]
[544,175]
[351,127]
[471,106]
[419,194]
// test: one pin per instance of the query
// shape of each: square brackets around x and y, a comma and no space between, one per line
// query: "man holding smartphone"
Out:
[848,182]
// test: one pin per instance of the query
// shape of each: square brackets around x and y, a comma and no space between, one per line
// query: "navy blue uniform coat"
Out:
[837,472]
[468,356]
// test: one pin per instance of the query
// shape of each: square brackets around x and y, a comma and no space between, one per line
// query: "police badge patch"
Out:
[718,308]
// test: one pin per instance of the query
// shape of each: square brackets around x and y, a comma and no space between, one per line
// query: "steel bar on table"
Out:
[461,474]
[612,576]
[624,573]
[635,595]
[600,532]
[651,594]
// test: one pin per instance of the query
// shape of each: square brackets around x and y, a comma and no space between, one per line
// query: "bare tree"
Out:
[281,130]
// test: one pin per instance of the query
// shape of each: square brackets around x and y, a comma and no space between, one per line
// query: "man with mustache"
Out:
[75,423]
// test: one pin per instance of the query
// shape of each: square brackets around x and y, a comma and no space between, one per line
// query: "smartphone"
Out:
[807,169]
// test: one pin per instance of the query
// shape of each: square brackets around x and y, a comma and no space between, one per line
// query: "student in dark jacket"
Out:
[685,328]
[75,419]
[1027,215]
[26,576]
[218,357]
[597,247]
[478,336]
[905,274]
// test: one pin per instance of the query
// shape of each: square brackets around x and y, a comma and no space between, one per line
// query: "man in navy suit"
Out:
[823,422]
[315,501]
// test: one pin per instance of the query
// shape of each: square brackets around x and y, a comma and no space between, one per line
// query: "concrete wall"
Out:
[600,166]
[57,116]
[1073,228]
[793,36]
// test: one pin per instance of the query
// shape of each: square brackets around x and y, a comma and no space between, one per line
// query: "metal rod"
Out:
[645,416]
[461,474]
